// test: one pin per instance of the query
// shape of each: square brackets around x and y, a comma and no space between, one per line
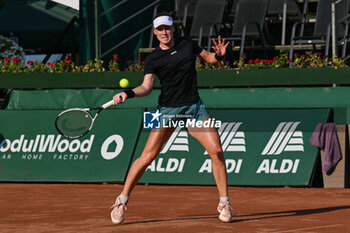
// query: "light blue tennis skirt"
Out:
[195,111]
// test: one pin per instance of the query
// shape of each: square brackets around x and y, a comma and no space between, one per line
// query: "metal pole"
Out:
[284,20]
[97,31]
[334,45]
[334,29]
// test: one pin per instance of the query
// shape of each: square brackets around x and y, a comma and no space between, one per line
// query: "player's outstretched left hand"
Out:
[220,47]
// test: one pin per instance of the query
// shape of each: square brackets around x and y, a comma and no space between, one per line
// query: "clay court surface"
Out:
[157,208]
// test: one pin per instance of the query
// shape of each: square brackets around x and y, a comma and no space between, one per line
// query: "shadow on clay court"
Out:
[287,213]
[251,217]
[174,219]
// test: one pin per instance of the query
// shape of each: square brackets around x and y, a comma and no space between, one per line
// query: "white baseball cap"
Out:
[162,20]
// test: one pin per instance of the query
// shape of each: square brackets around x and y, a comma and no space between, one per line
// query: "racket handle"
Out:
[110,103]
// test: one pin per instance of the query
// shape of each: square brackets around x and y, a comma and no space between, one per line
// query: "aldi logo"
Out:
[261,147]
[232,140]
[285,138]
[178,141]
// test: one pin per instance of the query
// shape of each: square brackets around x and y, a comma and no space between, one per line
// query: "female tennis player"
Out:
[173,62]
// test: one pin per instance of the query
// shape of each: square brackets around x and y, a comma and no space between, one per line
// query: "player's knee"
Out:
[217,155]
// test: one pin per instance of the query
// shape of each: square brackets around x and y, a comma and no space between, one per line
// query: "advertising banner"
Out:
[261,147]
[32,150]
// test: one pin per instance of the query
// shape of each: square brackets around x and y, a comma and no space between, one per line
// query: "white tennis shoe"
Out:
[224,209]
[118,211]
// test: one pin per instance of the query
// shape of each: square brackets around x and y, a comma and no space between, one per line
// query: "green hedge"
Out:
[207,78]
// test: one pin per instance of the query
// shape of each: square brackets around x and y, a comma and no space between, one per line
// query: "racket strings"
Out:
[74,123]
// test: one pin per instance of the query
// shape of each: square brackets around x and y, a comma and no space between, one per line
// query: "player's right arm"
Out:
[140,91]
[146,87]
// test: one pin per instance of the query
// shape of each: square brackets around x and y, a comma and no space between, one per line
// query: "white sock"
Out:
[123,198]
[224,199]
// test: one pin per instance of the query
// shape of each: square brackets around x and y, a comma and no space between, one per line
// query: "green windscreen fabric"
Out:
[69,98]
[337,98]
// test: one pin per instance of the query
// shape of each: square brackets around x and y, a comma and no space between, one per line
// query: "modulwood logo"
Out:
[51,143]
[46,143]
[285,138]
[116,140]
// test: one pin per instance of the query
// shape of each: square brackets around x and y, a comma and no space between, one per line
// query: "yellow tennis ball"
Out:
[124,83]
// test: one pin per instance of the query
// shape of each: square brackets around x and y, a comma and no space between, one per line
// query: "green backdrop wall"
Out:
[319,95]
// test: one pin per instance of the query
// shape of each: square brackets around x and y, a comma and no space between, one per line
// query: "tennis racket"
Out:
[76,122]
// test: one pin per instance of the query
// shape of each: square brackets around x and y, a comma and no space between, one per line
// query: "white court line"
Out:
[309,228]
